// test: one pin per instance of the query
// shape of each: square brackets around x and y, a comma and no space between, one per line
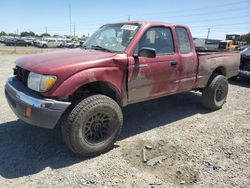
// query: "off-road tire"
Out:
[215,93]
[74,124]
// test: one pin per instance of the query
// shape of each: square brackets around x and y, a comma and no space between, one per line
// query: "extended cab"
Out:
[83,90]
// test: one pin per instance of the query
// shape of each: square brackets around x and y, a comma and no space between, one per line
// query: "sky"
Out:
[222,17]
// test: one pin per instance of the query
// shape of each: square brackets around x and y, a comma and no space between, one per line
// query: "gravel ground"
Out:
[202,148]
[5,50]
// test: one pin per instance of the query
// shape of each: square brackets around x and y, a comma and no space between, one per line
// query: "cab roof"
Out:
[152,23]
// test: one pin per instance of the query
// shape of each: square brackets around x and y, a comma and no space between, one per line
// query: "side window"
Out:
[159,38]
[183,40]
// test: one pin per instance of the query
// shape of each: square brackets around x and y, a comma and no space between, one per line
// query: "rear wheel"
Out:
[93,125]
[214,95]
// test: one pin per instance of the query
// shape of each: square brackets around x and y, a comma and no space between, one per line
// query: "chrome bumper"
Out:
[45,112]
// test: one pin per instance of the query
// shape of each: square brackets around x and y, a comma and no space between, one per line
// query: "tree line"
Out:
[25,34]
[244,37]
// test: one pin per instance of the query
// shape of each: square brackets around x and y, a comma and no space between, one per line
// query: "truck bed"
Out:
[210,61]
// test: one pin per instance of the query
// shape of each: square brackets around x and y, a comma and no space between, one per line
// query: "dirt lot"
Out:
[202,148]
[5,50]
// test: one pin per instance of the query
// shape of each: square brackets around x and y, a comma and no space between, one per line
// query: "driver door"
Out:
[153,77]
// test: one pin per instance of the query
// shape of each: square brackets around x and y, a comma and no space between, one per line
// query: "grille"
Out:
[21,74]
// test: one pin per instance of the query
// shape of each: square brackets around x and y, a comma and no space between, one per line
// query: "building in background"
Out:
[206,44]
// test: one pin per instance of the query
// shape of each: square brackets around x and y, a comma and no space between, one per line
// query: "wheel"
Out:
[214,95]
[92,126]
[45,46]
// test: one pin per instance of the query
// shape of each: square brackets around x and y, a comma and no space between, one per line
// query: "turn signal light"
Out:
[28,111]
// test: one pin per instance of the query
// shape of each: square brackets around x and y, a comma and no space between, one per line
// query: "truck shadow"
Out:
[26,150]
[141,117]
[242,82]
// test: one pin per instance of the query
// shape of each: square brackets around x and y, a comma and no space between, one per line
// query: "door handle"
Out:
[173,63]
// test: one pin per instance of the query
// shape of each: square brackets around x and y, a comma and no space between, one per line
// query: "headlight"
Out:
[40,82]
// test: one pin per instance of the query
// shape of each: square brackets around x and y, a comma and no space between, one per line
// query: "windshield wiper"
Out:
[97,47]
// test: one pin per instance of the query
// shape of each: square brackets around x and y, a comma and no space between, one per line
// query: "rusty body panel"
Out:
[133,78]
[208,62]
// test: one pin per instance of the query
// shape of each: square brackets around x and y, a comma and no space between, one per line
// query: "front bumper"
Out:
[44,112]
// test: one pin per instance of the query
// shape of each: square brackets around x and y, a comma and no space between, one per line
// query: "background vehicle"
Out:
[17,42]
[71,44]
[49,43]
[245,62]
[84,89]
[232,42]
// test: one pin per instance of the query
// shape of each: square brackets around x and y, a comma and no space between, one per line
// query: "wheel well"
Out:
[219,71]
[98,87]
[216,72]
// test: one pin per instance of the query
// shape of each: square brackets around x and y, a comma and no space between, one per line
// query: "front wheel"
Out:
[92,126]
[214,95]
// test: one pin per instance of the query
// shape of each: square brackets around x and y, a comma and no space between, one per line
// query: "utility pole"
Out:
[208,33]
[15,40]
[69,19]
[74,30]
[46,29]
[128,18]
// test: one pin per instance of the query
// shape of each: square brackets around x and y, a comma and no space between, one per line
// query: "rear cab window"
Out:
[184,44]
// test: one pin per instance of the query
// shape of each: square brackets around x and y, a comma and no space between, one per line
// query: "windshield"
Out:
[112,37]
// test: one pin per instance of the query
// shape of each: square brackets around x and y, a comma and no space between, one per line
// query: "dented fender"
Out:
[113,76]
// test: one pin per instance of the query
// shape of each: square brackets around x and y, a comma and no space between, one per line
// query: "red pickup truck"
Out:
[83,90]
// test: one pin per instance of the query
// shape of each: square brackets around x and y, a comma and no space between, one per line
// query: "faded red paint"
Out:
[135,78]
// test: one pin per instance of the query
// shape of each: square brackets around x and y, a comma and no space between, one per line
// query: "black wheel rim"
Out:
[220,93]
[98,128]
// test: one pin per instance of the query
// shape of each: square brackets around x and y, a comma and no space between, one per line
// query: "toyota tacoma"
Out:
[83,90]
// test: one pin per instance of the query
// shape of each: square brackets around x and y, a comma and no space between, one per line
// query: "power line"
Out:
[218,19]
[199,14]
[219,25]
[201,8]
[176,16]
[124,17]
[182,16]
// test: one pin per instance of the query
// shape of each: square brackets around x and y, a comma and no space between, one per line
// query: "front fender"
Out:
[111,75]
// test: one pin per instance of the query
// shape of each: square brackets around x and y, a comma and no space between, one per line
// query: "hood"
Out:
[63,62]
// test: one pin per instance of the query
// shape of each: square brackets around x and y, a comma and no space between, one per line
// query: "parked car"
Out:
[49,43]
[245,62]
[29,40]
[244,68]
[83,90]
[71,44]
[17,42]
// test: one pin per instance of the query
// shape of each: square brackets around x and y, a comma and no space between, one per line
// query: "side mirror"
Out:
[147,52]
